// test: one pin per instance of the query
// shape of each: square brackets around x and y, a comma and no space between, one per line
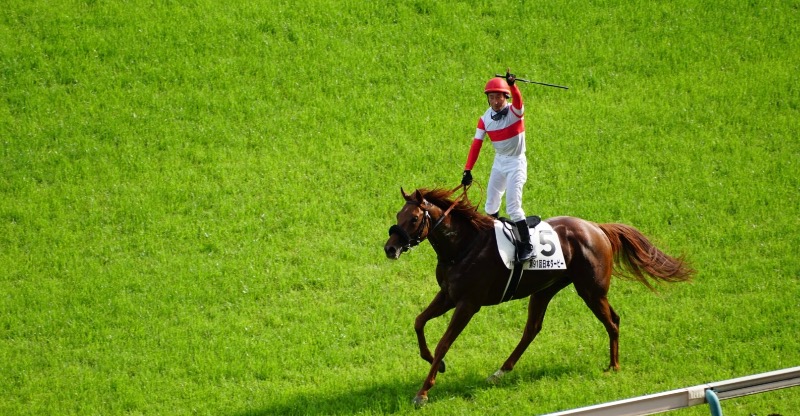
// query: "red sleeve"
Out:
[474,151]
[516,97]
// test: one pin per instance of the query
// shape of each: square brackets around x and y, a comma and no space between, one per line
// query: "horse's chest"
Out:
[456,281]
[442,274]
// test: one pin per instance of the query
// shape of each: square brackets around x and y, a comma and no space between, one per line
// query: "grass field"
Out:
[194,197]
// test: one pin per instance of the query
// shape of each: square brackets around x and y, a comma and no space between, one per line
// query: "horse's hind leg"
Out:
[537,306]
[614,347]
[599,305]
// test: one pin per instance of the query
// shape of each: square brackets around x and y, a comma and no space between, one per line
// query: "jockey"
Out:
[504,124]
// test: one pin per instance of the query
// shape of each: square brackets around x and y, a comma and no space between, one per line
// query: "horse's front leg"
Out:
[461,317]
[438,307]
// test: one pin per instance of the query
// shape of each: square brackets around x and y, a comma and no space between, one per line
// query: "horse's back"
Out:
[584,243]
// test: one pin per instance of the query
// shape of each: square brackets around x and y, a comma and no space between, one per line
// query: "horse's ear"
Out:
[418,196]
[402,192]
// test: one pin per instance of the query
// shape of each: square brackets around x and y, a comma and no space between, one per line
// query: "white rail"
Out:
[692,396]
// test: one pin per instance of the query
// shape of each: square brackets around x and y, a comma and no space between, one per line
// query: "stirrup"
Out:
[525,252]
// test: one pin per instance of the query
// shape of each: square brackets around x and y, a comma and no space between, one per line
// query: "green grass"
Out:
[194,198]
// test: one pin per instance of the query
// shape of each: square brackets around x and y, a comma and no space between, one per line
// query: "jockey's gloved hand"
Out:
[466,178]
[510,78]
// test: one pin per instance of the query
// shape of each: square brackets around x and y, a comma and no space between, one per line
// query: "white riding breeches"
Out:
[508,176]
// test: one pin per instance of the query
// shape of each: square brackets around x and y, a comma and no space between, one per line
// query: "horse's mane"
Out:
[442,198]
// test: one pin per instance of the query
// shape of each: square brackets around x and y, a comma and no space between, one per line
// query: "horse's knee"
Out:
[419,324]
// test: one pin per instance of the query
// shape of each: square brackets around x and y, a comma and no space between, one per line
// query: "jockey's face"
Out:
[497,100]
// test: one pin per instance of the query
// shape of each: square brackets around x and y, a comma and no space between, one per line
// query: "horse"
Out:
[471,273]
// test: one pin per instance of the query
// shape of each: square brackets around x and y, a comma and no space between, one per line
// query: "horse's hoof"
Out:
[496,377]
[442,368]
[420,401]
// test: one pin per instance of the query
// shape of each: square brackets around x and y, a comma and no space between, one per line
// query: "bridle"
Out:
[407,242]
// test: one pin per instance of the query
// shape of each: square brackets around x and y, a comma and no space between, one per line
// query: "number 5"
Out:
[545,239]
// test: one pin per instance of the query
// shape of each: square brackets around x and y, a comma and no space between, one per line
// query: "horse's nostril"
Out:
[390,251]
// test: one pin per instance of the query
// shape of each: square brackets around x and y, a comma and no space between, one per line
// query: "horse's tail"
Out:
[640,258]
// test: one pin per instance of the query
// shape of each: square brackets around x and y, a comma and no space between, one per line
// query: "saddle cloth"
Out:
[546,245]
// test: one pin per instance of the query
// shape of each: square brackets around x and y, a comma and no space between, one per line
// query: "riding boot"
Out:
[525,249]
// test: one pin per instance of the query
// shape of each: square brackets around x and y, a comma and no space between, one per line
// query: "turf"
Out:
[194,197]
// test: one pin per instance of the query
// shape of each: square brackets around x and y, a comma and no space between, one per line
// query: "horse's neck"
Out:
[451,239]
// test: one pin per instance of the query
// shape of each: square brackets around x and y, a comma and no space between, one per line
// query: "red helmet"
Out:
[497,85]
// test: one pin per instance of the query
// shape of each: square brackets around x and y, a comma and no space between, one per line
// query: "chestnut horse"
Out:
[471,273]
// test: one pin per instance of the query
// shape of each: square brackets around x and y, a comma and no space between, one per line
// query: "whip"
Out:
[535,82]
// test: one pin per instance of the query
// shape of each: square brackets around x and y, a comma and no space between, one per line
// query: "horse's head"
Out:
[413,225]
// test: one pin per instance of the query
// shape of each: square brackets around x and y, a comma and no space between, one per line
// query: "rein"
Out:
[453,205]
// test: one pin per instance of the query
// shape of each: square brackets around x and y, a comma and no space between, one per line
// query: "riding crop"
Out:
[534,82]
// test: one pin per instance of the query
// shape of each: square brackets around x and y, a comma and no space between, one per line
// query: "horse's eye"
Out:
[414,219]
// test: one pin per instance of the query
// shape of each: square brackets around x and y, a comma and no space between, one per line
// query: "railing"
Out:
[710,393]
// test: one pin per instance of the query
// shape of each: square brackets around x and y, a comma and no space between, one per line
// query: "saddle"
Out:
[532,222]
[545,242]
[544,239]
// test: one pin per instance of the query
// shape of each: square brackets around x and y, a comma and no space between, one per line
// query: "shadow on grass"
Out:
[393,396]
[389,397]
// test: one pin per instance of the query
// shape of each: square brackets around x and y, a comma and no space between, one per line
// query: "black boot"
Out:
[525,249]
